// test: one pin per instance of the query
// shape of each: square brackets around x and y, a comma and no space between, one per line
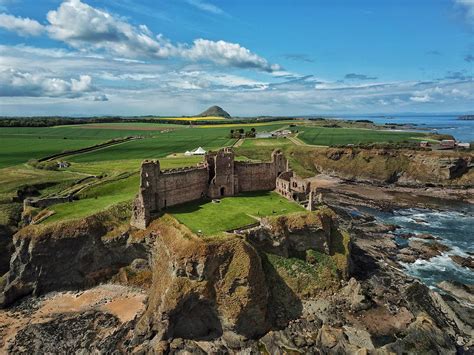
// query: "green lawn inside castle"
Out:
[209,218]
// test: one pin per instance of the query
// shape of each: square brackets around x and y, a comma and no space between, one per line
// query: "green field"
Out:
[16,150]
[210,218]
[96,199]
[266,142]
[113,170]
[24,143]
[18,145]
[118,187]
[342,136]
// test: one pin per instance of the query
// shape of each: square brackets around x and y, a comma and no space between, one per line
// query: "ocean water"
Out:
[461,130]
[456,230]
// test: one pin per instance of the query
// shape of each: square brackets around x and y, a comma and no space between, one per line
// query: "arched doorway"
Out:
[222,191]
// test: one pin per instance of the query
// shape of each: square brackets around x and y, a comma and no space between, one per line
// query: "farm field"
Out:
[166,143]
[266,142]
[206,118]
[130,165]
[114,169]
[16,150]
[342,136]
[20,144]
[210,218]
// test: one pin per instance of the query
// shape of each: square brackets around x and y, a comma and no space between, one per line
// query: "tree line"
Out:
[50,121]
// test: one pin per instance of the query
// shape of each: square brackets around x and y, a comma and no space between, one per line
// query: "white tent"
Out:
[188,153]
[199,151]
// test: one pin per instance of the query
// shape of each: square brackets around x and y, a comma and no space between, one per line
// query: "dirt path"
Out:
[299,142]
[239,143]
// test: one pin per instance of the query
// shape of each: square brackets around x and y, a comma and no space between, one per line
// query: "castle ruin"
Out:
[219,175]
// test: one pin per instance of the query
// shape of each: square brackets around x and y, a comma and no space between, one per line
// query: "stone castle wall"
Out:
[255,177]
[177,187]
[218,176]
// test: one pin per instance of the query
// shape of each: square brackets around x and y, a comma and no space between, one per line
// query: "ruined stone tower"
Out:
[221,173]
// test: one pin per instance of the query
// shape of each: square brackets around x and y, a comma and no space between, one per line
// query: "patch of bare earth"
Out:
[123,302]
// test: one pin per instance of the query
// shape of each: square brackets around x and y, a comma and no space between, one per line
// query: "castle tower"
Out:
[280,162]
[221,174]
[146,202]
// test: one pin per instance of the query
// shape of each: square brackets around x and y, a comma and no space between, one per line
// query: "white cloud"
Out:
[422,98]
[206,6]
[184,88]
[93,31]
[20,25]
[228,54]
[17,83]
[468,7]
[87,28]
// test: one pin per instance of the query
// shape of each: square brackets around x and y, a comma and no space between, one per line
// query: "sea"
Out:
[454,225]
[445,124]
[454,228]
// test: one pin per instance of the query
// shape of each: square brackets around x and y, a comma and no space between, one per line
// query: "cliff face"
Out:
[203,290]
[404,167]
[281,287]
[232,288]
[65,257]
[6,248]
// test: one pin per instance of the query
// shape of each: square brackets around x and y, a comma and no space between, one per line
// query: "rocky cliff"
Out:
[280,287]
[203,290]
[68,256]
[403,167]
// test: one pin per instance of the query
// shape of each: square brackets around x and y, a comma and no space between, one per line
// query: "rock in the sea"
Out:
[425,236]
[463,261]
[418,249]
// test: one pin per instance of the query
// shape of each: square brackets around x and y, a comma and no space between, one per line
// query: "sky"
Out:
[251,57]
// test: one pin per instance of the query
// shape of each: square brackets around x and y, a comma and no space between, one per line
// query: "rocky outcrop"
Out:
[203,290]
[381,166]
[467,261]
[6,248]
[72,255]
[292,235]
[281,288]
[458,290]
[418,249]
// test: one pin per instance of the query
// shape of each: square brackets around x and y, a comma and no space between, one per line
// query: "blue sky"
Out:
[176,57]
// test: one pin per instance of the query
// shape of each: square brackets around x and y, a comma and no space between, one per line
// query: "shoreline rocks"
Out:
[463,261]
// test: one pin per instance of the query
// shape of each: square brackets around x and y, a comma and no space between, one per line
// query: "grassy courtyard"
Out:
[211,218]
